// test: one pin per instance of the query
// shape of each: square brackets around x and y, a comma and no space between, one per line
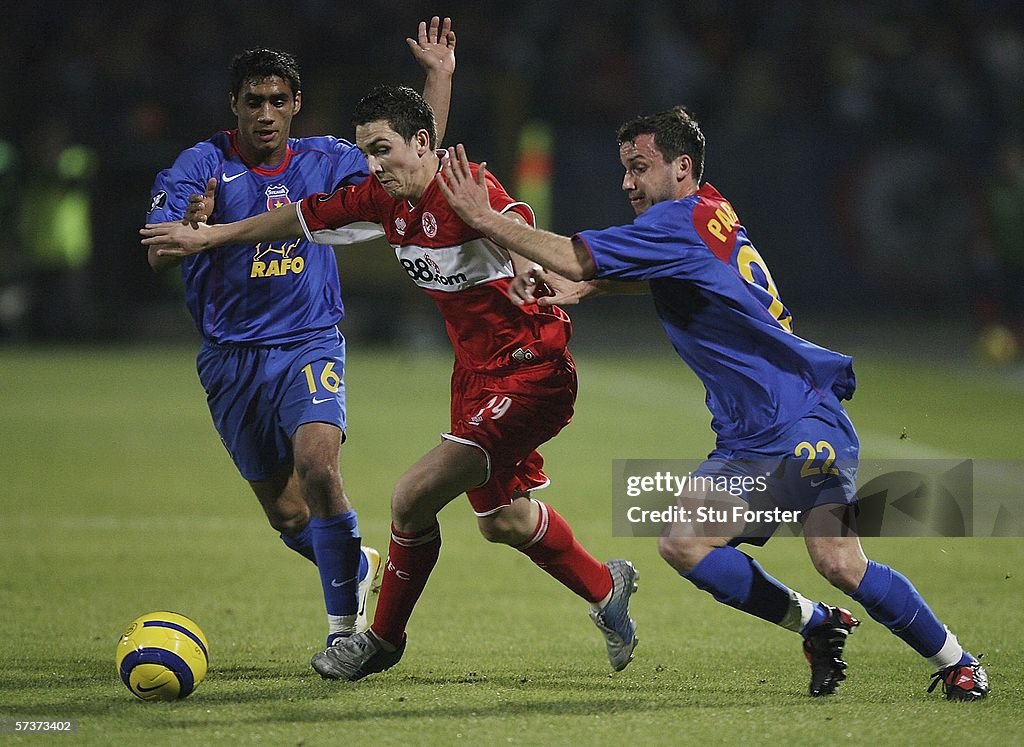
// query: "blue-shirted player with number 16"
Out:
[272,359]
[774,397]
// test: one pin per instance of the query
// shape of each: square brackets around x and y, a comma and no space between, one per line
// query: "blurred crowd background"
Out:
[873,149]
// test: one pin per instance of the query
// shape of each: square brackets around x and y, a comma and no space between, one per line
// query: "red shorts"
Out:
[508,417]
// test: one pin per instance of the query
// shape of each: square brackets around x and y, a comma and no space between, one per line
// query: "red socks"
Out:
[554,549]
[411,558]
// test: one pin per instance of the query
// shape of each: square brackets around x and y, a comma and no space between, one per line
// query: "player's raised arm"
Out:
[434,49]
[469,198]
[177,240]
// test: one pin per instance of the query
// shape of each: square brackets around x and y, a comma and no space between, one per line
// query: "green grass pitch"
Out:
[118,500]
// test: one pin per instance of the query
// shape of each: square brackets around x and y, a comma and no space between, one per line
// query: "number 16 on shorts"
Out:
[328,379]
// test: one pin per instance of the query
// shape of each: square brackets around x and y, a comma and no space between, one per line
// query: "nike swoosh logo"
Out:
[818,483]
[317,401]
[336,585]
[225,178]
[142,689]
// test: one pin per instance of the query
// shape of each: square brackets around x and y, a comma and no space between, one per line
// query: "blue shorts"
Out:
[812,463]
[260,395]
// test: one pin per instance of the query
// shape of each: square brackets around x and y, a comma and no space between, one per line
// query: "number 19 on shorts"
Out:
[496,407]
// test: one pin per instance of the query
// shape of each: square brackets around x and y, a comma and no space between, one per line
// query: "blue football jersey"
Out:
[270,293]
[722,312]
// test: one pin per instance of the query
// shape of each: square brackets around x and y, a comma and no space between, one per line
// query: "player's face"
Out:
[648,179]
[265,109]
[397,163]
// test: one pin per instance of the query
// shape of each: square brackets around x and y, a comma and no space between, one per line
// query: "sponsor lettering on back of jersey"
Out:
[717,225]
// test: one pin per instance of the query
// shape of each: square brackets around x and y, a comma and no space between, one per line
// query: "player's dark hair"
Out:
[676,132]
[401,107]
[259,64]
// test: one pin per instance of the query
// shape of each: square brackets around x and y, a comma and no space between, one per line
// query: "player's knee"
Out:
[320,481]
[289,522]
[842,571]
[409,505]
[682,553]
[404,498]
[494,532]
[503,528]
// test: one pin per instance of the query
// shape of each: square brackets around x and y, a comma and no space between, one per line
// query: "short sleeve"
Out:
[502,202]
[187,176]
[351,167]
[339,208]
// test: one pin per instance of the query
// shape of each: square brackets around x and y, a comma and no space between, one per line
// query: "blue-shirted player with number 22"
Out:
[774,397]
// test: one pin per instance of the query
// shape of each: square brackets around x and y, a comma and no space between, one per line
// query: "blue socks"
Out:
[893,601]
[818,615]
[336,545]
[736,579]
[302,543]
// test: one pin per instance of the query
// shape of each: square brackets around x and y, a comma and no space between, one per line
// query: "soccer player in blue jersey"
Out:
[774,397]
[272,359]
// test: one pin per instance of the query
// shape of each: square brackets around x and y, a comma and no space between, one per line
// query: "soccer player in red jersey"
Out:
[513,384]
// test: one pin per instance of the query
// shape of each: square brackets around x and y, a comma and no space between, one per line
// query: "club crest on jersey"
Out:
[277,195]
[159,200]
[429,224]
[400,226]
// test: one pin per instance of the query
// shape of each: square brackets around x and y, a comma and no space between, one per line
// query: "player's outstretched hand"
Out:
[529,286]
[200,207]
[434,48]
[174,239]
[467,196]
[545,288]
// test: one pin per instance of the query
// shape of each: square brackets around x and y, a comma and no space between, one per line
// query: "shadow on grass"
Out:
[272,694]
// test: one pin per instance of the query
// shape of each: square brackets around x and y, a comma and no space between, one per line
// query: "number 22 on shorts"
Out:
[811,452]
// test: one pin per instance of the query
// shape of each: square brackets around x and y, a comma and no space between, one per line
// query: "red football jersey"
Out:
[465,273]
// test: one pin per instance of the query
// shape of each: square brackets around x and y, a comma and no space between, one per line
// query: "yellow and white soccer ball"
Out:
[162,656]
